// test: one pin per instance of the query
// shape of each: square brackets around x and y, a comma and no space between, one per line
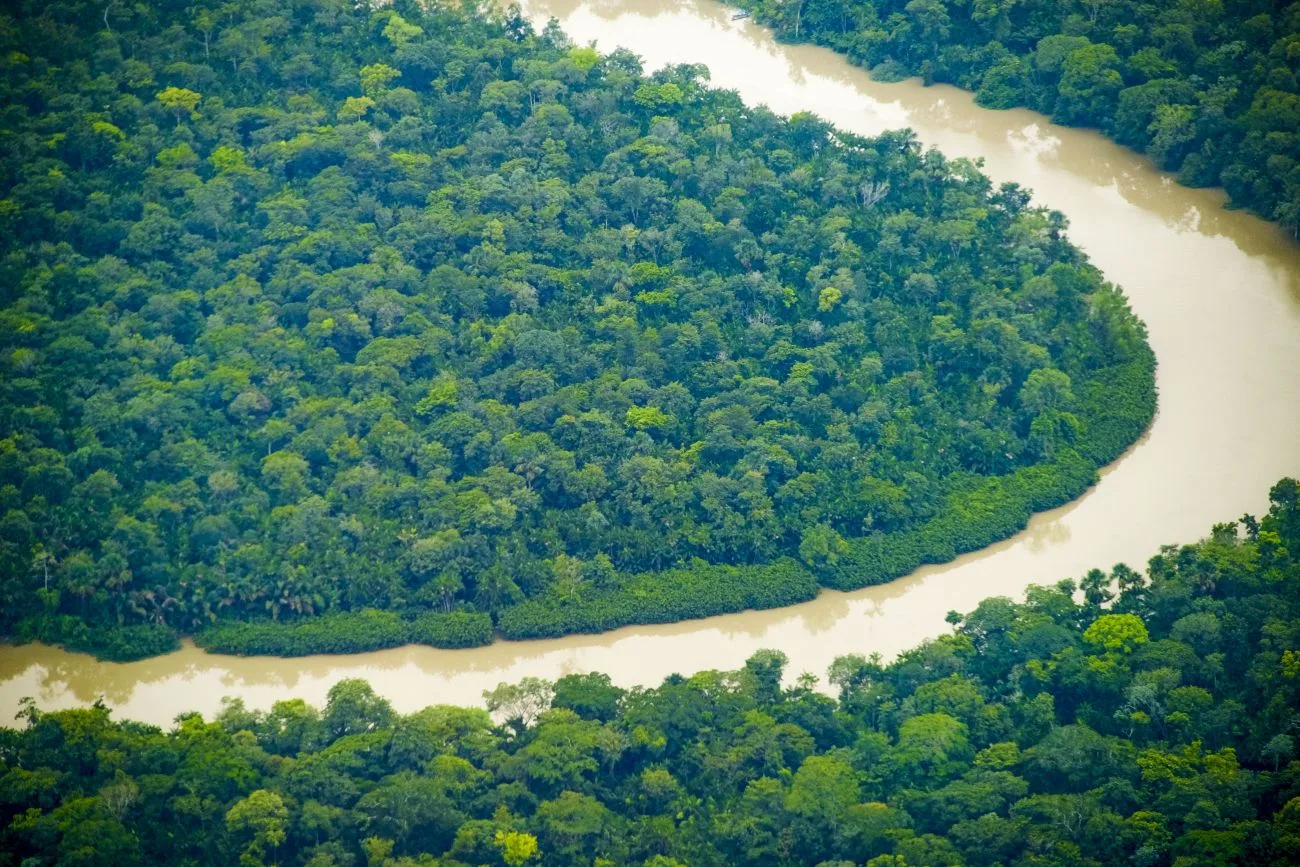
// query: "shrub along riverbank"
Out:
[114,643]
[701,590]
[346,632]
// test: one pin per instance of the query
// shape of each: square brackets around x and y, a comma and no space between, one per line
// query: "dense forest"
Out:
[1207,88]
[325,328]
[1130,719]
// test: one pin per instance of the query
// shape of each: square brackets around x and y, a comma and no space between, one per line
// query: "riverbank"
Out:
[1117,408]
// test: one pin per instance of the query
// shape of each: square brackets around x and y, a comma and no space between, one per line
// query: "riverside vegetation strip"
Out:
[430,325]
[1207,89]
[1147,720]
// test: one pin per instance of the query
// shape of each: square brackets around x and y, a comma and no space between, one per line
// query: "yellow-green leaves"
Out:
[828,299]
[443,392]
[647,417]
[179,100]
[355,107]
[261,816]
[177,157]
[584,58]
[375,77]
[103,127]
[1116,633]
[226,158]
[658,95]
[517,849]
[399,31]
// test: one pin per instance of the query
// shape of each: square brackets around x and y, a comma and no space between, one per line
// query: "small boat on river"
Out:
[739,16]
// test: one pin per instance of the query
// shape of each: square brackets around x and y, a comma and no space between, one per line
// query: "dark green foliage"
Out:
[1118,404]
[457,629]
[700,590]
[314,311]
[590,696]
[346,632]
[1150,722]
[343,632]
[971,518]
[116,643]
[980,512]
[1207,89]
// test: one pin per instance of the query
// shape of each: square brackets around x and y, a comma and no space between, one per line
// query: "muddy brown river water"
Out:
[1219,291]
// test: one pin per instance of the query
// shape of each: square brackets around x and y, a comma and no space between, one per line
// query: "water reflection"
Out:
[1030,141]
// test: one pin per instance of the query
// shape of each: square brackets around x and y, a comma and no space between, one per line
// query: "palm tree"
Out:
[495,590]
[448,584]
[153,604]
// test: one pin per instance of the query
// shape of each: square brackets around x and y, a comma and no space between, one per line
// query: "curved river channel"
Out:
[1219,291]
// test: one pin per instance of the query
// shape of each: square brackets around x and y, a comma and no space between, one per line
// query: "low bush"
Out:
[346,632]
[114,643]
[457,629]
[701,590]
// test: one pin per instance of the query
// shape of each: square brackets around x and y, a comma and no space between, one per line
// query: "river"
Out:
[1219,291]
